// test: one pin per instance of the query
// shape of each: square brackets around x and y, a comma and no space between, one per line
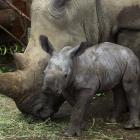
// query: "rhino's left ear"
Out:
[78,50]
[46,45]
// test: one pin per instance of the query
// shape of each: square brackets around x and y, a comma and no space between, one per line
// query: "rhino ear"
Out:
[46,45]
[78,50]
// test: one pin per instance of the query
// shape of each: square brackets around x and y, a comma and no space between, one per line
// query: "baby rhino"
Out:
[79,73]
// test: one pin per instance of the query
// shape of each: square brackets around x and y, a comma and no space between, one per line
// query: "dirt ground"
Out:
[16,126]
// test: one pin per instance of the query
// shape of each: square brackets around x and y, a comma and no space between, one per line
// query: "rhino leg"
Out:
[132,89]
[133,102]
[79,112]
[120,103]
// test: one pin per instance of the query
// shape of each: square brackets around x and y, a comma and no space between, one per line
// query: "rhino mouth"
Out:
[35,106]
[46,113]
[42,111]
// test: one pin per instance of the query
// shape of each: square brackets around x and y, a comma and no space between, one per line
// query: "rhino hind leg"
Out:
[120,103]
[132,90]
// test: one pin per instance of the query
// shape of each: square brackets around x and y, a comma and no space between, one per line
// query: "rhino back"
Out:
[104,63]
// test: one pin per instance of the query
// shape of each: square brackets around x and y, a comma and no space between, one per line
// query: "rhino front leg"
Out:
[77,121]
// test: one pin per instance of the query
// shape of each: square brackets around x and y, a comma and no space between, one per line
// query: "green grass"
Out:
[14,125]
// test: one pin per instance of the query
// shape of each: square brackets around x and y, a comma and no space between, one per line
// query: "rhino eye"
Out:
[60,3]
[65,75]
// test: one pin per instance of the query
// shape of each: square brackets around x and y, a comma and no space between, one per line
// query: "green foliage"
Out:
[100,94]
[4,69]
[11,49]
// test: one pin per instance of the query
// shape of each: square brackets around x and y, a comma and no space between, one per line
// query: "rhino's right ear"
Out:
[46,45]
[78,50]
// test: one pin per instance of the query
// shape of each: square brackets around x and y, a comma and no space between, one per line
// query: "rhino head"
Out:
[60,66]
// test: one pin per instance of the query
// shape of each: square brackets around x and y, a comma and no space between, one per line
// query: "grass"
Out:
[14,125]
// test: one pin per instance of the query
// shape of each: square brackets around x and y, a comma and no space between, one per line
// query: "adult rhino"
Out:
[68,22]
[64,22]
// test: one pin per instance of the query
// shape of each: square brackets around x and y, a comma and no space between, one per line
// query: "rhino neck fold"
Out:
[71,76]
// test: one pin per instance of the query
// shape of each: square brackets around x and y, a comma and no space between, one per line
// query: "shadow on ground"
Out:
[100,128]
[16,126]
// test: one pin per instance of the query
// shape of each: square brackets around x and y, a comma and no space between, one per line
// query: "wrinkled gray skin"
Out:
[69,22]
[78,73]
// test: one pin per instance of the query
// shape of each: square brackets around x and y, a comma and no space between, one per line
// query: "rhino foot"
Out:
[73,131]
[132,125]
[113,121]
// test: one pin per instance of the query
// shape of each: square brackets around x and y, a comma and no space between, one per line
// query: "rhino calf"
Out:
[79,73]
